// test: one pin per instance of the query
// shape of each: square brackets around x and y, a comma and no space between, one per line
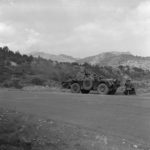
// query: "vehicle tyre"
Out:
[103,89]
[75,88]
[87,84]
[85,91]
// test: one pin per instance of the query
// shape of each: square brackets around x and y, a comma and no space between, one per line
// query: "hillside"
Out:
[19,70]
[59,58]
[115,59]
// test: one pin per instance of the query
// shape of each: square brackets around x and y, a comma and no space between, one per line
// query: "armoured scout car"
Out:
[85,82]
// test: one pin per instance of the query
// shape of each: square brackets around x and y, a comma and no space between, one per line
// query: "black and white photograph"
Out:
[74,74]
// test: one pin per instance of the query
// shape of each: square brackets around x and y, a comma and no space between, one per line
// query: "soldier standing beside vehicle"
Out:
[129,87]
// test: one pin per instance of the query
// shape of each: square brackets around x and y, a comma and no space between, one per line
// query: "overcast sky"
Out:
[76,27]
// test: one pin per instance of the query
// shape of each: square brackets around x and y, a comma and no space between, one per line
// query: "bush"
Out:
[37,81]
[17,84]
[12,83]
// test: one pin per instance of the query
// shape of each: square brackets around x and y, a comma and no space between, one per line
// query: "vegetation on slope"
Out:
[18,70]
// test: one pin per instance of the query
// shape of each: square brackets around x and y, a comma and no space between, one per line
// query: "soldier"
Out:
[81,74]
[129,87]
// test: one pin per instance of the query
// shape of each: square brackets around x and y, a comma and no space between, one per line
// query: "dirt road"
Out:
[124,116]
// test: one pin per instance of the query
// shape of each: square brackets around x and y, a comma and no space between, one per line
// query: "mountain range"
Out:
[103,59]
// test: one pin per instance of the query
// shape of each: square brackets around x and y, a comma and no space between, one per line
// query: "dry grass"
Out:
[25,132]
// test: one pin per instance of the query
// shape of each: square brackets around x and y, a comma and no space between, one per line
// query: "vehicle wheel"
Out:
[75,88]
[87,84]
[103,89]
[85,91]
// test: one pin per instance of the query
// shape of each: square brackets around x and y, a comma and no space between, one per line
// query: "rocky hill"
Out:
[115,59]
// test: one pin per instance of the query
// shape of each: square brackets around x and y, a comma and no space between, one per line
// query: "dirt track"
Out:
[123,116]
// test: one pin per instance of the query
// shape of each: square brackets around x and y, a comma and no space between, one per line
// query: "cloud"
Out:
[97,29]
[32,37]
[143,24]
[76,27]
[128,31]
[6,29]
[139,19]
[144,9]
[7,33]
[25,39]
[18,39]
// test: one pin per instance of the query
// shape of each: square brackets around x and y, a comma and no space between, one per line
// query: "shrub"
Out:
[12,83]
[37,81]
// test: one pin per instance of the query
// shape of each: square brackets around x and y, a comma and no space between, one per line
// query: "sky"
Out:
[79,28]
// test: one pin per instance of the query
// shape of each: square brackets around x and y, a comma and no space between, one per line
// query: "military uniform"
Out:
[129,88]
